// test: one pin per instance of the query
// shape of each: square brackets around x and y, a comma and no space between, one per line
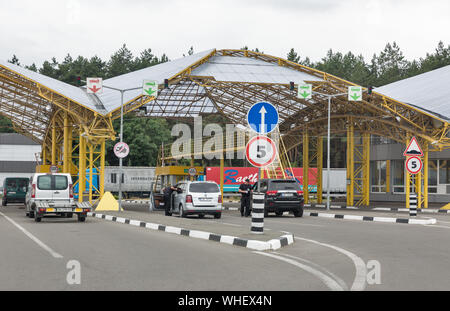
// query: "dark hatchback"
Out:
[14,190]
[281,195]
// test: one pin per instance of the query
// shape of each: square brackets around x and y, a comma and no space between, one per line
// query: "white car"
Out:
[197,198]
[53,194]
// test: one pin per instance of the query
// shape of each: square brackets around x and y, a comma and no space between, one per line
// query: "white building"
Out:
[17,156]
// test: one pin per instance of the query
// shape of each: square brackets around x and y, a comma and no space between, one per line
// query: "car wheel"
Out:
[37,218]
[182,214]
[298,213]
[217,215]
[201,215]
[266,213]
[279,213]
[81,218]
[31,214]
[27,214]
[4,203]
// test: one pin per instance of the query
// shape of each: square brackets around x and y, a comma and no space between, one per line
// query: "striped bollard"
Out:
[412,204]
[257,213]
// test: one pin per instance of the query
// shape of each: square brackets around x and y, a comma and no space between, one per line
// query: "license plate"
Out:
[64,209]
[287,194]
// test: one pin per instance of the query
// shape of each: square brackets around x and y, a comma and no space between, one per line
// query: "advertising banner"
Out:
[235,176]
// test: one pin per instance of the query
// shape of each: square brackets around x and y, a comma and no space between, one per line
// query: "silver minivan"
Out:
[197,198]
[53,194]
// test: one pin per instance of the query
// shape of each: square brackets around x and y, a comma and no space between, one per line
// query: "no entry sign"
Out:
[260,151]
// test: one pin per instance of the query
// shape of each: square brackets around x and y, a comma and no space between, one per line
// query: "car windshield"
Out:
[204,187]
[284,185]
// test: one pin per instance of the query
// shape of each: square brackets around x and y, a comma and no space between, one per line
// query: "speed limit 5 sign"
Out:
[413,165]
[260,151]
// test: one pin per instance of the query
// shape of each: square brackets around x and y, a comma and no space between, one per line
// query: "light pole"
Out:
[122,91]
[328,141]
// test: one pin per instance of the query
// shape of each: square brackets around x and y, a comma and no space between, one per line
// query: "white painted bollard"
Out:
[412,204]
[258,213]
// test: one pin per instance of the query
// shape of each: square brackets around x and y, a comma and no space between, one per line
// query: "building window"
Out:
[378,174]
[432,176]
[444,172]
[398,176]
[113,178]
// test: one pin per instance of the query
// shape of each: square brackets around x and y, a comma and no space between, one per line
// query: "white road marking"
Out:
[328,281]
[359,283]
[318,267]
[437,226]
[445,222]
[32,237]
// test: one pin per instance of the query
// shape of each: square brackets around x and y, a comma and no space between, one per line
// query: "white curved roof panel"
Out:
[429,92]
[72,92]
[111,99]
[247,69]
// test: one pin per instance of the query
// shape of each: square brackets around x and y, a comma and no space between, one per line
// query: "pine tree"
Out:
[293,56]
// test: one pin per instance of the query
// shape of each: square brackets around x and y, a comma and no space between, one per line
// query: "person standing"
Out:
[245,191]
[168,198]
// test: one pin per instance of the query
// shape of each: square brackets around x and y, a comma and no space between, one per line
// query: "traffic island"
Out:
[206,229]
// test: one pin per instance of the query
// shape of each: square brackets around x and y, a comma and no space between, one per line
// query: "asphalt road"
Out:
[327,254]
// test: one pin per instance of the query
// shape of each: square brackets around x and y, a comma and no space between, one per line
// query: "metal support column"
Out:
[221,176]
[91,167]
[407,180]
[418,187]
[319,179]
[81,167]
[66,148]
[53,155]
[350,165]
[44,154]
[366,170]
[305,167]
[425,175]
[102,168]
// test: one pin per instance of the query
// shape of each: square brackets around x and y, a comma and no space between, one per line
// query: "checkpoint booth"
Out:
[171,175]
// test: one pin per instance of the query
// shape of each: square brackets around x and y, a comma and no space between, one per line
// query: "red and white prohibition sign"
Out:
[413,165]
[260,151]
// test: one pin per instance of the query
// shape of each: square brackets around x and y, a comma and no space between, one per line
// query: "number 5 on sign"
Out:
[260,151]
[413,165]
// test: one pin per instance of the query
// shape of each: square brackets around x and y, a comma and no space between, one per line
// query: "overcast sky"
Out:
[38,30]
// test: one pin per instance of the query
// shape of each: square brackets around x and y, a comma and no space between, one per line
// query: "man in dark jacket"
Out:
[245,191]
[167,191]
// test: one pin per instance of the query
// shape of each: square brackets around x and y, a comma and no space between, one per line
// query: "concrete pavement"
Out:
[328,255]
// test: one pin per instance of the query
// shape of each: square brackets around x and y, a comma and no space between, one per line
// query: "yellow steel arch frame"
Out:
[58,122]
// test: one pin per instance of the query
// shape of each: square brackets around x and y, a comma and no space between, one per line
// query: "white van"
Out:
[53,194]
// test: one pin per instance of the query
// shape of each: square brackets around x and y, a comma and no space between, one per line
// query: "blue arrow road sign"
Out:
[262,117]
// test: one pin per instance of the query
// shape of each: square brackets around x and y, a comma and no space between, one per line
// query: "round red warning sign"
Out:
[413,165]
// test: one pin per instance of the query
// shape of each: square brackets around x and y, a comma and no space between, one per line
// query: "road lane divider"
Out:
[273,244]
[429,221]
[33,238]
